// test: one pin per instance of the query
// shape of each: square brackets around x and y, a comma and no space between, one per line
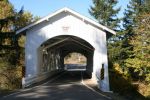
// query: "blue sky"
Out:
[44,7]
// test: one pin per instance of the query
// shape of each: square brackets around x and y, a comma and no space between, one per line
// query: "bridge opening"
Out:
[53,53]
[75,62]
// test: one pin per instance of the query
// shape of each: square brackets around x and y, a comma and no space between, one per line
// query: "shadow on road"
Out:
[66,87]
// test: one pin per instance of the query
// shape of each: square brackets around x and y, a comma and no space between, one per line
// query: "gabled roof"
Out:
[65,9]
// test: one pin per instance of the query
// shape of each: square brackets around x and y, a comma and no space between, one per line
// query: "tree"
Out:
[24,18]
[122,46]
[140,58]
[6,21]
[105,13]
[6,13]
[129,20]
[10,21]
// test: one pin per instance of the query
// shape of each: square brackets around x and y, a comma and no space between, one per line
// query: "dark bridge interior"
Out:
[52,52]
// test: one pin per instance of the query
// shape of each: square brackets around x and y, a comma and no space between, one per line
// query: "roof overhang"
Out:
[104,28]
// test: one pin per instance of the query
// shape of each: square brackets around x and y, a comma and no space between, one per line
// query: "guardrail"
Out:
[75,67]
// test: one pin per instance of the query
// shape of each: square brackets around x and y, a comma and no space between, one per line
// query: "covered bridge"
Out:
[51,38]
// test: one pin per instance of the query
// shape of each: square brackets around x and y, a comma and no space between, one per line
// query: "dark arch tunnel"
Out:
[52,53]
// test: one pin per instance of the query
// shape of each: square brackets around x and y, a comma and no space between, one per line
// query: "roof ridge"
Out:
[69,10]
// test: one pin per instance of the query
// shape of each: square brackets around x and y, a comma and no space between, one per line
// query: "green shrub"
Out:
[122,84]
[10,77]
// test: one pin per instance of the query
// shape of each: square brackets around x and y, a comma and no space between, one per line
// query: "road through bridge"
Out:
[66,86]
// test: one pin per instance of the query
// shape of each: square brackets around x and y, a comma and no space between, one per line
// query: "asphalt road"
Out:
[67,87]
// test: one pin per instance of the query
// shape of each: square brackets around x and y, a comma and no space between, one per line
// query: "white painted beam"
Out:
[56,43]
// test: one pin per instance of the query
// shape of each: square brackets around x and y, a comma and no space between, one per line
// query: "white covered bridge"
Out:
[51,38]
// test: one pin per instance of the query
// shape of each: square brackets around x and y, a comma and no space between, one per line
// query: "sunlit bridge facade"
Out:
[53,38]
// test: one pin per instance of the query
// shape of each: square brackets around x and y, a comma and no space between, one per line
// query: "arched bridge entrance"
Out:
[51,53]
[53,37]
